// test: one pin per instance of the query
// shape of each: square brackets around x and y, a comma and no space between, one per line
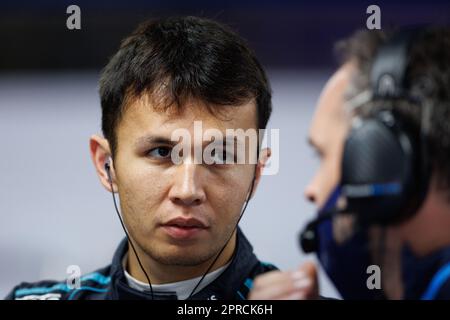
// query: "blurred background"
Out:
[53,210]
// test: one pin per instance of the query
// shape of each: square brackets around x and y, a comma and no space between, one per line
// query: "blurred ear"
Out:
[100,155]
[264,157]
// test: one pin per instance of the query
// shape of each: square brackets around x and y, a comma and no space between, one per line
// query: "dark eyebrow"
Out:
[147,140]
[227,140]
[152,140]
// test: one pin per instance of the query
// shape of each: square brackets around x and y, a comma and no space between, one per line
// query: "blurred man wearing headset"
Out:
[382,131]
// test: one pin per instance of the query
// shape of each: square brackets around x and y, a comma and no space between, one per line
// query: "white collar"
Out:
[182,288]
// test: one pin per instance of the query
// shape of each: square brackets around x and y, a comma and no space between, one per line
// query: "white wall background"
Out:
[54,212]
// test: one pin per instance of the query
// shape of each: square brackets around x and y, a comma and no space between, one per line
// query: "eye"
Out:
[220,156]
[160,152]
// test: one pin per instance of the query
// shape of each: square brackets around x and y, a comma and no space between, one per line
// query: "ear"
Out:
[264,157]
[100,155]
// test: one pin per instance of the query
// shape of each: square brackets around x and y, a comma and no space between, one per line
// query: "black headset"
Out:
[385,167]
[385,170]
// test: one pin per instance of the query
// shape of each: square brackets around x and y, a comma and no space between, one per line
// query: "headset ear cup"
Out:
[376,153]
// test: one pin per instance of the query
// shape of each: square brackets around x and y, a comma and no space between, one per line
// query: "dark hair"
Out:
[428,79]
[186,57]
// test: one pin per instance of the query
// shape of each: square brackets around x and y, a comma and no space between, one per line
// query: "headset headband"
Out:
[390,65]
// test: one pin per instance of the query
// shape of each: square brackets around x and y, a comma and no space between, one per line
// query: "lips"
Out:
[186,223]
[184,228]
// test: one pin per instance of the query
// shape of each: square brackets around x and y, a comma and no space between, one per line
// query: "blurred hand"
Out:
[300,284]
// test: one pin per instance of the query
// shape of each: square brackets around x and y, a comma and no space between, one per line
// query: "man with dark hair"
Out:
[411,249]
[180,218]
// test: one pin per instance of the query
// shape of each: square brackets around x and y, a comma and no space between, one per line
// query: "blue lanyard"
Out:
[436,283]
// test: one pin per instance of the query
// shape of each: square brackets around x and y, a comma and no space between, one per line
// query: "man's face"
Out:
[178,214]
[327,135]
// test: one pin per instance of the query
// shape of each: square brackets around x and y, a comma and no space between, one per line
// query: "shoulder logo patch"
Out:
[48,296]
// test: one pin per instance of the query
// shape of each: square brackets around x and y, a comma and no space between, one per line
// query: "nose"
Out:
[187,189]
[310,195]
[311,191]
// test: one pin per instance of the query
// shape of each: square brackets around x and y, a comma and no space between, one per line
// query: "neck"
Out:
[163,273]
[427,231]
